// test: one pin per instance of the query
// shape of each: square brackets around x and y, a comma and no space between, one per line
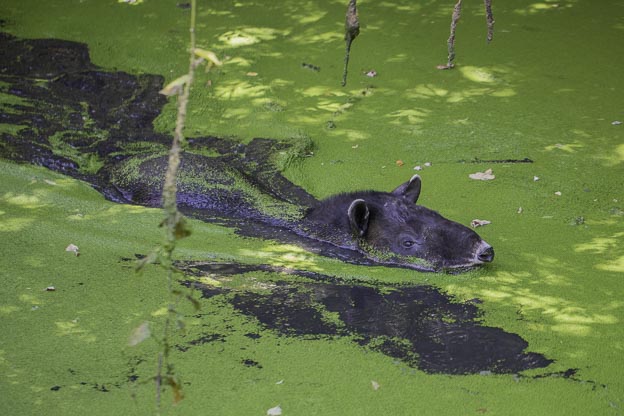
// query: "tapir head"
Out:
[392,228]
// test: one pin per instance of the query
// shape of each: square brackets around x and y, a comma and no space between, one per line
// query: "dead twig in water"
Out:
[490,19]
[455,18]
[352,30]
[451,40]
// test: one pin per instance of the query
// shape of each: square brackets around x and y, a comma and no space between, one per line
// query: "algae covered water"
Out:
[280,325]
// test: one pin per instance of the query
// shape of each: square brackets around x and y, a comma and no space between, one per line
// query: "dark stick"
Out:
[352,30]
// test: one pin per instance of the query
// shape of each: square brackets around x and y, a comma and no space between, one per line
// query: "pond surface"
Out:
[540,106]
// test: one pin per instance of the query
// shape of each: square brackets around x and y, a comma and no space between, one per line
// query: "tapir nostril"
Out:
[486,255]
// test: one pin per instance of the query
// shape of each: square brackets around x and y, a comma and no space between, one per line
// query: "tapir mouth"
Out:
[484,253]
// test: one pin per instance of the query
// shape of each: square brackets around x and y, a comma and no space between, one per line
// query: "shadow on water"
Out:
[418,325]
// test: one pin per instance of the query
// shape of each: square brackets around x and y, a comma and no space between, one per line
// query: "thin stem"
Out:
[170,207]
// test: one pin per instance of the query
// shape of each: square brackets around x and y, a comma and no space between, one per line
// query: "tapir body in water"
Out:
[219,179]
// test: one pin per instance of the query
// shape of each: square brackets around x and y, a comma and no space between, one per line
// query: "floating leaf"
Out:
[479,223]
[139,334]
[73,248]
[182,229]
[176,388]
[399,163]
[175,86]
[482,176]
[130,2]
[274,411]
[209,56]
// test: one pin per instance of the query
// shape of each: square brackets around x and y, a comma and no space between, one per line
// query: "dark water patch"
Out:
[207,339]
[477,160]
[417,325]
[287,310]
[247,362]
[446,336]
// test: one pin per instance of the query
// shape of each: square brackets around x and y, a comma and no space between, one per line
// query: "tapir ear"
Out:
[358,216]
[409,190]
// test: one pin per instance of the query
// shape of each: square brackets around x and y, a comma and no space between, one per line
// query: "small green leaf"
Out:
[175,86]
[208,56]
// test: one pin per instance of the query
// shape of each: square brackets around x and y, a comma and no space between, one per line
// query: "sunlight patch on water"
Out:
[249,36]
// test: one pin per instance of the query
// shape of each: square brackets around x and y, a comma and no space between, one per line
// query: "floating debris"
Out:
[371,74]
[139,334]
[50,289]
[482,176]
[399,163]
[274,411]
[311,67]
[520,210]
[252,74]
[479,223]
[426,164]
[616,122]
[73,248]
[375,385]
[536,178]
[558,193]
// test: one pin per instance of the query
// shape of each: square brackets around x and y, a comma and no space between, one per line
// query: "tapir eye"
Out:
[408,243]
